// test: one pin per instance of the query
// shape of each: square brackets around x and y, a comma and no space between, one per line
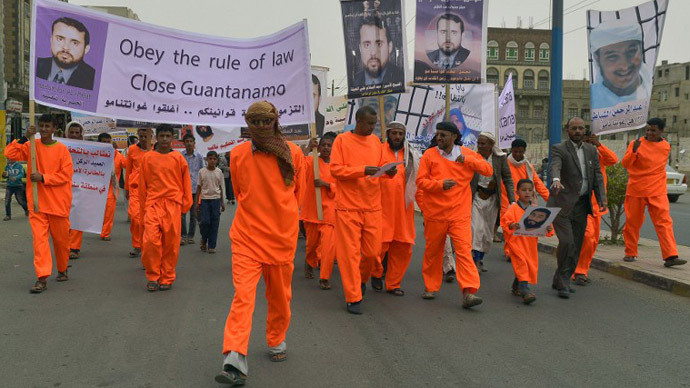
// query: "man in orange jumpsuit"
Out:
[606,158]
[165,192]
[118,164]
[445,173]
[355,157]
[397,204]
[521,168]
[75,131]
[134,154]
[268,176]
[320,249]
[646,160]
[54,180]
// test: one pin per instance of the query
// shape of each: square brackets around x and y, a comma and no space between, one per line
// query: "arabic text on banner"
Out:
[117,67]
[506,115]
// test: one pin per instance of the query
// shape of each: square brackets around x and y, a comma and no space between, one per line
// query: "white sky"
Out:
[249,18]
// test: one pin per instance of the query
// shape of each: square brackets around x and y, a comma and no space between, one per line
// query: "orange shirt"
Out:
[606,158]
[455,203]
[267,218]
[309,212]
[647,168]
[520,172]
[134,155]
[351,153]
[164,176]
[398,219]
[55,163]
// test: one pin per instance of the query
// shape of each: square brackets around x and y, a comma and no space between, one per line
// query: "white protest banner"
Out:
[535,220]
[219,139]
[94,125]
[623,47]
[336,113]
[506,115]
[116,67]
[93,167]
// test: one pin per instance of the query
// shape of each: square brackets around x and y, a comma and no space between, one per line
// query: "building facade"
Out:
[671,96]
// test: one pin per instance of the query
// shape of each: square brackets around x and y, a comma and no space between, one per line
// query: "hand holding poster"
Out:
[506,115]
[536,220]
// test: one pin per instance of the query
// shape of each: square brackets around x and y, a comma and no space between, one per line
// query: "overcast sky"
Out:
[249,18]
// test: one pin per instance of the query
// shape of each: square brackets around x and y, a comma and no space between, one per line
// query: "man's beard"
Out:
[396,147]
[532,224]
[374,72]
[204,133]
[448,52]
[65,65]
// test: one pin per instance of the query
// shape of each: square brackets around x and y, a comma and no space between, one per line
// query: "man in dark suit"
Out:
[316,94]
[450,53]
[69,42]
[375,49]
[576,174]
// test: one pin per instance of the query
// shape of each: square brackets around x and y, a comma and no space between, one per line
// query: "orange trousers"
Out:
[399,256]
[135,219]
[460,232]
[109,217]
[357,245]
[246,273]
[75,237]
[161,242]
[320,247]
[659,211]
[589,245]
[506,250]
[58,227]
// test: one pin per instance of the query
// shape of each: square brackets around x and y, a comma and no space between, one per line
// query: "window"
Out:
[544,52]
[523,109]
[665,72]
[675,119]
[529,51]
[585,114]
[572,111]
[538,111]
[492,75]
[492,49]
[543,79]
[687,73]
[677,92]
[528,79]
[660,74]
[515,76]
[511,51]
[663,95]
[687,96]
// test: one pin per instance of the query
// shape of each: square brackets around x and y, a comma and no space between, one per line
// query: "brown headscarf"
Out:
[271,140]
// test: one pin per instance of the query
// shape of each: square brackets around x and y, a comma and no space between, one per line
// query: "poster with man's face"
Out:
[390,106]
[535,220]
[450,41]
[319,89]
[374,47]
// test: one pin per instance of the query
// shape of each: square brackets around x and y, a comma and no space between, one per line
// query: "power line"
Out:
[567,13]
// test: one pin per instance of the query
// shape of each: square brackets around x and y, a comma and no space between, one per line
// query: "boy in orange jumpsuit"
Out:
[320,249]
[118,164]
[445,173]
[356,156]
[398,232]
[134,154]
[521,168]
[268,177]
[75,131]
[525,258]
[54,179]
[646,160]
[606,158]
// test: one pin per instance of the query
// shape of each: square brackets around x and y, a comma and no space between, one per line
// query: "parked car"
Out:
[676,183]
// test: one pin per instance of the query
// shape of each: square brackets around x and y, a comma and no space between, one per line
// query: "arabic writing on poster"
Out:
[506,115]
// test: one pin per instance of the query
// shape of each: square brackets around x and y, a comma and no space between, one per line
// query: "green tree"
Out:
[615,196]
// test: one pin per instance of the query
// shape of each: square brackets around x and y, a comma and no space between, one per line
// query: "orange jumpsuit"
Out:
[165,191]
[606,158]
[133,165]
[525,252]
[320,234]
[264,240]
[647,188]
[448,212]
[520,172]
[119,163]
[398,232]
[54,201]
[357,210]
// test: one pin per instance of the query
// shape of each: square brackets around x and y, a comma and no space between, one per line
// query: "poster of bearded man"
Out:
[535,220]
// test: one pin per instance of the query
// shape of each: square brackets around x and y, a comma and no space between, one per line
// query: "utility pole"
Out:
[556,99]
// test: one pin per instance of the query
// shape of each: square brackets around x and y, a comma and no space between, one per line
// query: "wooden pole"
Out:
[447,115]
[34,166]
[315,155]
[382,114]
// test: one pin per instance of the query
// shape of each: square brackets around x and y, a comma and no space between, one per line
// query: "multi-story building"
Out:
[575,100]
[671,96]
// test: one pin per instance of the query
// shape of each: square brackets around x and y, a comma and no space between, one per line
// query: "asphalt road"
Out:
[102,329]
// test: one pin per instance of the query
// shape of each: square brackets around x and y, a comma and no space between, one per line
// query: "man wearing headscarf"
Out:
[267,178]
[444,174]
[486,196]
[397,204]
[75,131]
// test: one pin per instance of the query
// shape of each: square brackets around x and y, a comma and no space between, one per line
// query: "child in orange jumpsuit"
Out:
[54,180]
[118,164]
[165,192]
[524,249]
[134,154]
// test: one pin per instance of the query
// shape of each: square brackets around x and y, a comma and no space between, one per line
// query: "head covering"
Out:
[410,161]
[496,151]
[396,124]
[614,31]
[75,123]
[450,127]
[270,140]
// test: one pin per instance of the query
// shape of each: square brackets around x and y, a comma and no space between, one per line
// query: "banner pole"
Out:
[382,113]
[447,115]
[315,155]
[34,166]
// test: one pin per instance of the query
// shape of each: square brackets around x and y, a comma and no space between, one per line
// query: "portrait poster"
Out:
[623,47]
[506,115]
[450,41]
[94,63]
[94,125]
[375,47]
[535,220]
[319,80]
[335,112]
[390,106]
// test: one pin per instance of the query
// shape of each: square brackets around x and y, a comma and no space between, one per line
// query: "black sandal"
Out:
[164,287]
[324,284]
[396,292]
[152,286]
[62,277]
[39,287]
[231,376]
[279,357]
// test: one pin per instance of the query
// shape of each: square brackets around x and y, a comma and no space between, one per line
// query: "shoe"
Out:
[190,241]
[563,293]
[164,287]
[324,284]
[670,262]
[515,292]
[74,254]
[211,250]
[231,376]
[232,202]
[629,259]
[183,241]
[429,295]
[581,280]
[377,284]
[39,287]
[471,300]
[7,218]
[106,238]
[480,266]
[355,308]
[308,271]
[135,252]
[203,246]
[450,276]
[529,298]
